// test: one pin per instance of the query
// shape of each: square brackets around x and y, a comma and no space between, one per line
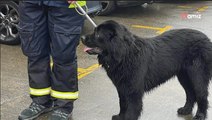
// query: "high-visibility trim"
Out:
[81,3]
[64,95]
[40,92]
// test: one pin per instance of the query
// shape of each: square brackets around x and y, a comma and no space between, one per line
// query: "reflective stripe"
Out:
[40,92]
[64,95]
[81,3]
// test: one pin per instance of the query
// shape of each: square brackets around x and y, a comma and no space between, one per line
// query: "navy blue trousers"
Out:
[46,32]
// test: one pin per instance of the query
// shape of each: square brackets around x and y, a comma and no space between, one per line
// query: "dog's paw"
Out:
[116,117]
[184,111]
[199,117]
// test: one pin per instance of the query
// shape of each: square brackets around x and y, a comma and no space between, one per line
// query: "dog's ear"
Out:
[117,49]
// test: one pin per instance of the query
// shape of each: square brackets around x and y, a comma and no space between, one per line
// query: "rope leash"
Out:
[84,13]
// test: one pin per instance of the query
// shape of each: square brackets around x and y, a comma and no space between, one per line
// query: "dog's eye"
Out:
[97,36]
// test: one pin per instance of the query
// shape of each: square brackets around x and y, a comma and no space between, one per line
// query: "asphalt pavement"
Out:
[98,97]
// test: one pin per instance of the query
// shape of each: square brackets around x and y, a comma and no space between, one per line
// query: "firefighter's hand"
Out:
[71,1]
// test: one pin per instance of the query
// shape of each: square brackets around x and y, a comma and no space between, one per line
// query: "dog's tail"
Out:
[210,59]
[207,55]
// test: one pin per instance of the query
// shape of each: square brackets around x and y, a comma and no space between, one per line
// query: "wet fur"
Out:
[137,65]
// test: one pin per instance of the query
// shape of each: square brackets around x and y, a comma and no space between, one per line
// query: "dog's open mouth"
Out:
[92,51]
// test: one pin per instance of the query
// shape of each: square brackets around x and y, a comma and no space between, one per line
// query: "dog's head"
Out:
[109,38]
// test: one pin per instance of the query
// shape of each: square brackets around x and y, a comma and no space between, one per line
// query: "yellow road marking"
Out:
[82,72]
[159,30]
[162,30]
[185,7]
[202,9]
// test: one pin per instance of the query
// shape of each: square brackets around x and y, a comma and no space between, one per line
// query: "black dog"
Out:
[137,65]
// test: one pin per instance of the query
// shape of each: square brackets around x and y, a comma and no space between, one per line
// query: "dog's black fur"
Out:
[137,65]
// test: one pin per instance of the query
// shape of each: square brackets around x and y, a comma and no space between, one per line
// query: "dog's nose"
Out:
[83,38]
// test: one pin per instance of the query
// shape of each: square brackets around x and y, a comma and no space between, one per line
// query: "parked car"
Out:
[109,6]
[9,19]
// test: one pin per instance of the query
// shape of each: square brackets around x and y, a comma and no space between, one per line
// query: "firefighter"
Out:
[50,29]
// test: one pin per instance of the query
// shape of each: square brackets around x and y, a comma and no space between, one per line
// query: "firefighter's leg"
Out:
[65,28]
[34,36]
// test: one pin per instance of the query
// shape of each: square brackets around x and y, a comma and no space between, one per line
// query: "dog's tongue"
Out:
[87,49]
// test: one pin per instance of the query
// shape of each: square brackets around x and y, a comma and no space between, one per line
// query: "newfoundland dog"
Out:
[137,65]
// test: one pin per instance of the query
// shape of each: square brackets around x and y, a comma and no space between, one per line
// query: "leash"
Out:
[84,13]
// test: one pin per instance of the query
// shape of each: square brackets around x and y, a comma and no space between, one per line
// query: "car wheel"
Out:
[107,7]
[9,19]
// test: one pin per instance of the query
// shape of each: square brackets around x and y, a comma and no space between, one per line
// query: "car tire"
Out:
[107,7]
[9,19]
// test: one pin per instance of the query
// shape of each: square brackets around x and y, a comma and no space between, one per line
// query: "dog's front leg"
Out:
[134,107]
[123,107]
